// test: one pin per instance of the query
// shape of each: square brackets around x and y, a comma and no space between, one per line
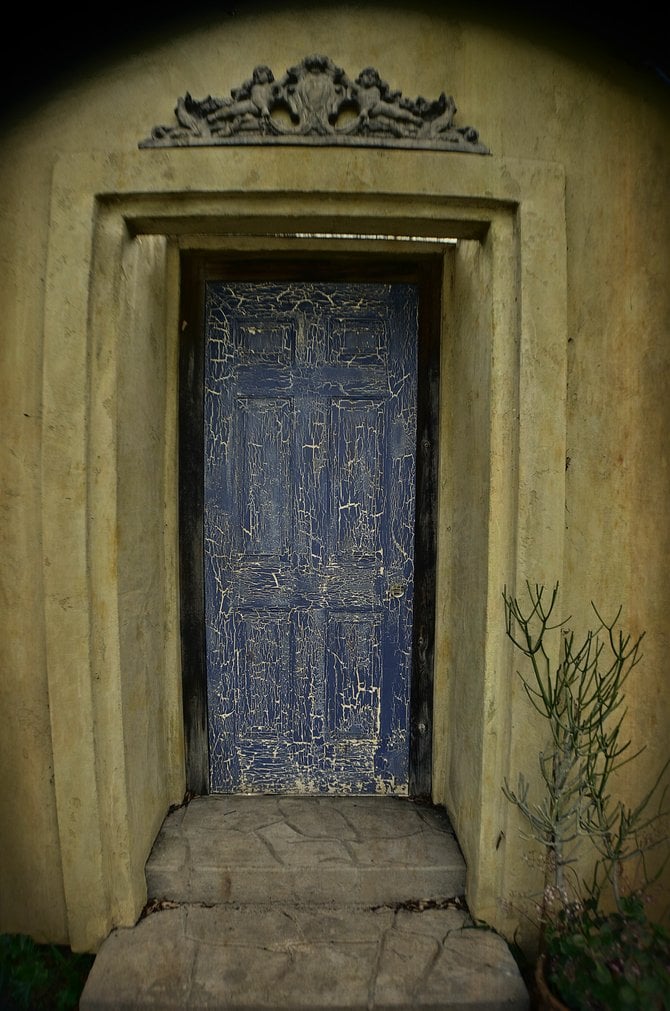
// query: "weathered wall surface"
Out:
[529,99]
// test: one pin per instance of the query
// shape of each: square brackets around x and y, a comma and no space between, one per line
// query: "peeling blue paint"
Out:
[310,431]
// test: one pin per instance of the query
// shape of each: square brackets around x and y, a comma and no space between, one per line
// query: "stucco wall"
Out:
[530,100]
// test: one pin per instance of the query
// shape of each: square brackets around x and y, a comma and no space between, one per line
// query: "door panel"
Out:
[309,478]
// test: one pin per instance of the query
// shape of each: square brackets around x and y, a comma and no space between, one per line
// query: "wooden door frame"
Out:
[196,268]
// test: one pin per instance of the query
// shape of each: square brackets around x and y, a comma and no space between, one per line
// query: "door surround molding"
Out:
[109,468]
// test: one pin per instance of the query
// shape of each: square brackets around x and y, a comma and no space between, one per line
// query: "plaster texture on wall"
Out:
[90,670]
[31,895]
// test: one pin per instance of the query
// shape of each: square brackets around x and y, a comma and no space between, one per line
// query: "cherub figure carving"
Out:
[250,102]
[376,100]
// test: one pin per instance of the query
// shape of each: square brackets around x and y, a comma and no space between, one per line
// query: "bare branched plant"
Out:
[580,694]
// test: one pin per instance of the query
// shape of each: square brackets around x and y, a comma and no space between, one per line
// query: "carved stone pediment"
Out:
[315,102]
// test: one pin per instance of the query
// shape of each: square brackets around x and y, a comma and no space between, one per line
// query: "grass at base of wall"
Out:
[37,977]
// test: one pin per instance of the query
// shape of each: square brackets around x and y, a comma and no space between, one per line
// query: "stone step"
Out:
[304,958]
[249,849]
[302,904]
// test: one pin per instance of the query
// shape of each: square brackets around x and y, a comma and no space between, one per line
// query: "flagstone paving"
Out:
[305,903]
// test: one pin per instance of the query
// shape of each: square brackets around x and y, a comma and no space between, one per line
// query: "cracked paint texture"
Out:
[310,432]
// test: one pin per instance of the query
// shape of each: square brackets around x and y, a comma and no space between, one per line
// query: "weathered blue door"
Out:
[310,430]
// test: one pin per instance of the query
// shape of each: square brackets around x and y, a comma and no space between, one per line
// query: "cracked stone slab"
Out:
[366,850]
[292,847]
[305,958]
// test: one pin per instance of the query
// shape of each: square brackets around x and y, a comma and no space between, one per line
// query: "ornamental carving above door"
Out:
[315,102]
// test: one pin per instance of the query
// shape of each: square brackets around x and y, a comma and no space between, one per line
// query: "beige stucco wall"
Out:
[113,664]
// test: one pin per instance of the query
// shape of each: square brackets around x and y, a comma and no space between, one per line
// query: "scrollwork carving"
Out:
[315,102]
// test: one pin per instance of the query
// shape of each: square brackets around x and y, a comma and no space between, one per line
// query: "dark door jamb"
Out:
[196,269]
